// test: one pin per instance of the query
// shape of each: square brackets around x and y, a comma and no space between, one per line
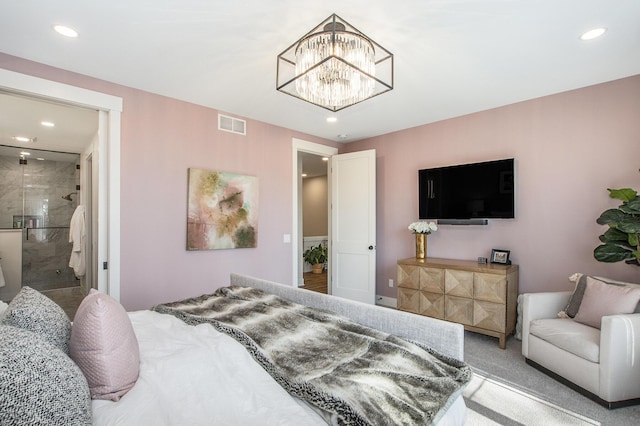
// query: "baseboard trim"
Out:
[582,391]
[389,302]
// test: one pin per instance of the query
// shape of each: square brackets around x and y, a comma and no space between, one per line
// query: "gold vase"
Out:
[421,246]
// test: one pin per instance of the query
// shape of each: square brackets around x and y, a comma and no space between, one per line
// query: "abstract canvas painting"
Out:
[222,211]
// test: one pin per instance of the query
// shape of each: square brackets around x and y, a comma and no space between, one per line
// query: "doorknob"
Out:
[370,247]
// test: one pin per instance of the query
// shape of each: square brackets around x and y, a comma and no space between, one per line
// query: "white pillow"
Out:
[104,346]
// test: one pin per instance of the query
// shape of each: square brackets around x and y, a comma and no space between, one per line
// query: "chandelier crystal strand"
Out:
[336,82]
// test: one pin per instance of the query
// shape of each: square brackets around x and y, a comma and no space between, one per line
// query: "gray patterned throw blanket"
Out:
[361,375]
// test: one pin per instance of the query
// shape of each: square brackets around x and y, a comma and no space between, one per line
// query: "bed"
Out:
[197,375]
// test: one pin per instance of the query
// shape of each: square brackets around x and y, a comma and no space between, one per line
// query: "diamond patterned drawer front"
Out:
[482,297]
[432,304]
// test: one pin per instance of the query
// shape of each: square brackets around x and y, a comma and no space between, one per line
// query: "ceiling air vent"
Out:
[233,125]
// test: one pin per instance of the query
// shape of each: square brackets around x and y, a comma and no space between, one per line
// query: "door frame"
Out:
[299,145]
[108,155]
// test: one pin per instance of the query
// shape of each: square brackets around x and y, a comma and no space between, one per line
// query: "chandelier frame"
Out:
[382,75]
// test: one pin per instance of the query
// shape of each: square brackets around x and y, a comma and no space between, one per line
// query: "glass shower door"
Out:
[49,198]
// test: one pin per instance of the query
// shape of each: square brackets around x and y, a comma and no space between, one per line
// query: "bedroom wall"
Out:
[569,148]
[160,139]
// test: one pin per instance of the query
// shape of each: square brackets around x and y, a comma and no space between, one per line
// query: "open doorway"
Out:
[315,221]
[105,159]
[42,190]
[313,153]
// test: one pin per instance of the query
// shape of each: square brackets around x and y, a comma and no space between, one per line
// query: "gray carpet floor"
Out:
[508,366]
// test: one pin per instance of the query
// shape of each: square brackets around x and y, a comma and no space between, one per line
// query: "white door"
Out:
[353,226]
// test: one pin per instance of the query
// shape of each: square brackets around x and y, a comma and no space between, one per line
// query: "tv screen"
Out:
[468,191]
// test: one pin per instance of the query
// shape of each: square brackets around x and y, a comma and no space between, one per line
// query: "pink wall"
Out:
[568,148]
[160,139]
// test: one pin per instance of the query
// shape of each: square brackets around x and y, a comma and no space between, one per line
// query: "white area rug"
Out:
[491,402]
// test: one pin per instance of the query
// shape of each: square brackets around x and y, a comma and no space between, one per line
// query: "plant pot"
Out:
[317,268]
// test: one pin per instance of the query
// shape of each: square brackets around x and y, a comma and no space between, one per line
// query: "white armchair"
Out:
[604,364]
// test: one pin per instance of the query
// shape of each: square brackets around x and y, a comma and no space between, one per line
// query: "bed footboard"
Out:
[445,337]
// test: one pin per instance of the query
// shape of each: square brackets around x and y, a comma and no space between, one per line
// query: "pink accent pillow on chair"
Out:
[601,299]
[104,346]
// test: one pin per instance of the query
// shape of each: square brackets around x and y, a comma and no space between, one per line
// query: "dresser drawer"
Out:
[409,276]
[489,315]
[432,304]
[458,283]
[458,309]
[432,279]
[409,300]
[490,287]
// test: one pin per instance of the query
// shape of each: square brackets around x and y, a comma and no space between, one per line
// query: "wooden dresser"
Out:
[482,297]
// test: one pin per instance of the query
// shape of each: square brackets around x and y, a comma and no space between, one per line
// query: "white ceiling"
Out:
[452,57]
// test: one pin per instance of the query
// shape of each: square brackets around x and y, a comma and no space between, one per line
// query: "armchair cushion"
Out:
[601,300]
[573,305]
[567,334]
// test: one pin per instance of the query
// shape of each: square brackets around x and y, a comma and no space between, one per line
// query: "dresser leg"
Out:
[503,341]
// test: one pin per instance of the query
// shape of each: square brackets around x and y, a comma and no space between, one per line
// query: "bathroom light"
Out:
[65,31]
[594,33]
[47,124]
[332,119]
[325,158]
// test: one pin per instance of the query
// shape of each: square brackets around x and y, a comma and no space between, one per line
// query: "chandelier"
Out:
[335,66]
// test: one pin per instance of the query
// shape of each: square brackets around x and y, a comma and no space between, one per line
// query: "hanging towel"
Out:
[77,234]
[2,281]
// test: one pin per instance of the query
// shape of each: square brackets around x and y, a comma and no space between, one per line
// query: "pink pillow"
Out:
[602,299]
[104,346]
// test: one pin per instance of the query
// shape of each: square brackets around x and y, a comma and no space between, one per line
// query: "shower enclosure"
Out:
[38,194]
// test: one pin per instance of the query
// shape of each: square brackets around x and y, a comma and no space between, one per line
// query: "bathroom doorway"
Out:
[43,151]
[40,194]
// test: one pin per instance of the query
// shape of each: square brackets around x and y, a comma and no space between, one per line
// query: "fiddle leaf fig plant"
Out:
[622,240]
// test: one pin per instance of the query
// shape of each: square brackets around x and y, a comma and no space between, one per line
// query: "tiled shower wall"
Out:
[40,186]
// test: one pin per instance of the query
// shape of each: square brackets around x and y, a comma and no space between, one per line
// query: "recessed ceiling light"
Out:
[332,119]
[65,31]
[25,153]
[40,159]
[22,139]
[594,33]
[47,124]
[342,136]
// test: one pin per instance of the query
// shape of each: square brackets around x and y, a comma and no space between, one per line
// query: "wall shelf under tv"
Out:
[463,221]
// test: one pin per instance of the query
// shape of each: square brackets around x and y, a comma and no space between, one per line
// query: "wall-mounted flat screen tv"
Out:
[468,191]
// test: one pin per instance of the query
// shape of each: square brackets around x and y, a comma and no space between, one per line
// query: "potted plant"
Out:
[622,239]
[316,256]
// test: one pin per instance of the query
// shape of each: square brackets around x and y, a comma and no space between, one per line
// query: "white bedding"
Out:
[198,376]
